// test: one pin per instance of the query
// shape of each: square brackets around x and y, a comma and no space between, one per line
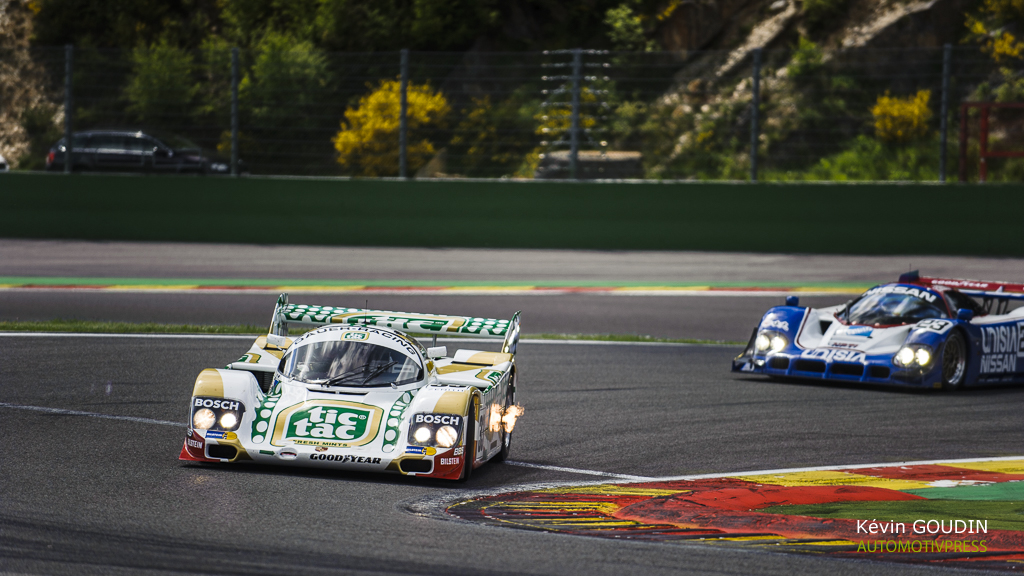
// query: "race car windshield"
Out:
[888,309]
[345,363]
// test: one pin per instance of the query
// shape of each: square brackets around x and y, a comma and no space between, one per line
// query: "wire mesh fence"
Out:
[813,114]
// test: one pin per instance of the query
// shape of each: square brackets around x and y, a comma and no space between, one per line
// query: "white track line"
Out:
[578,471]
[627,477]
[65,412]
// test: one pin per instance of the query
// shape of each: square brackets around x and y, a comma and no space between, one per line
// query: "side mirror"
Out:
[159,152]
[964,314]
[437,352]
[792,300]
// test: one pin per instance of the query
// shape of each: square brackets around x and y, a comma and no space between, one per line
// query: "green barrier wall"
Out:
[852,219]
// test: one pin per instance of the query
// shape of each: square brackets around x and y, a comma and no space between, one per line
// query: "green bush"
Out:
[869,159]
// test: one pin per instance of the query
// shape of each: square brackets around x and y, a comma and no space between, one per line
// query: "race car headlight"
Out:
[923,356]
[913,355]
[203,419]
[446,436]
[228,420]
[778,342]
[762,342]
[216,413]
[441,430]
[905,356]
[770,342]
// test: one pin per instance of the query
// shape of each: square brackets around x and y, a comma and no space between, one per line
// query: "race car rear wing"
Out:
[990,292]
[429,324]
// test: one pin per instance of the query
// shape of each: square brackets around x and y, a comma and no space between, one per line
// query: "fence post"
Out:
[574,131]
[755,108]
[234,111]
[963,142]
[947,59]
[69,52]
[403,114]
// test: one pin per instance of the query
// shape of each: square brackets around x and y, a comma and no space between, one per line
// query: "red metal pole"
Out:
[983,144]
[963,142]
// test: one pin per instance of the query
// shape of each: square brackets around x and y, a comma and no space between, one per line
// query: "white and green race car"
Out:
[357,392]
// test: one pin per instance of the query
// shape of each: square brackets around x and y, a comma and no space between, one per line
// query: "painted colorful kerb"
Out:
[969,514]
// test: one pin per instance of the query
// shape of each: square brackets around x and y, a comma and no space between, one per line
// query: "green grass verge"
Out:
[1000,515]
[95,327]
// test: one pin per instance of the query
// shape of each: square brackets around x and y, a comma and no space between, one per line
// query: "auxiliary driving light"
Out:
[446,436]
[422,434]
[203,419]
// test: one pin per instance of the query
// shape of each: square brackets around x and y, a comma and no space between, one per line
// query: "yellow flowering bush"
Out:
[368,139]
[902,119]
[986,27]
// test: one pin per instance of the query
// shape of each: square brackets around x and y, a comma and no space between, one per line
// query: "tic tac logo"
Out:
[355,336]
[437,419]
[212,403]
[338,422]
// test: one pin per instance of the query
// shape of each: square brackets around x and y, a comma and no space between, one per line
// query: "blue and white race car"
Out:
[918,332]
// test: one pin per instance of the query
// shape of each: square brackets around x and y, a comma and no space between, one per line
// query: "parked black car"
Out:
[125,151]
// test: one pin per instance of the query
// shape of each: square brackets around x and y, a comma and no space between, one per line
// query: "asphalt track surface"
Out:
[89,495]
[183,260]
[84,494]
[712,316]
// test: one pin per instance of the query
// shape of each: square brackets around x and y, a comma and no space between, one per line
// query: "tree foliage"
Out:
[992,26]
[161,89]
[368,140]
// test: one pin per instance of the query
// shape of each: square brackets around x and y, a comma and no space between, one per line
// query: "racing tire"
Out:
[469,454]
[506,437]
[954,362]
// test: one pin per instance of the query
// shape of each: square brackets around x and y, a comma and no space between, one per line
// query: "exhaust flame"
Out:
[509,419]
[495,419]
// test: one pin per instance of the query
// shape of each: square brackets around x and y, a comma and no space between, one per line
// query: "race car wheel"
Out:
[469,454]
[954,362]
[506,437]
